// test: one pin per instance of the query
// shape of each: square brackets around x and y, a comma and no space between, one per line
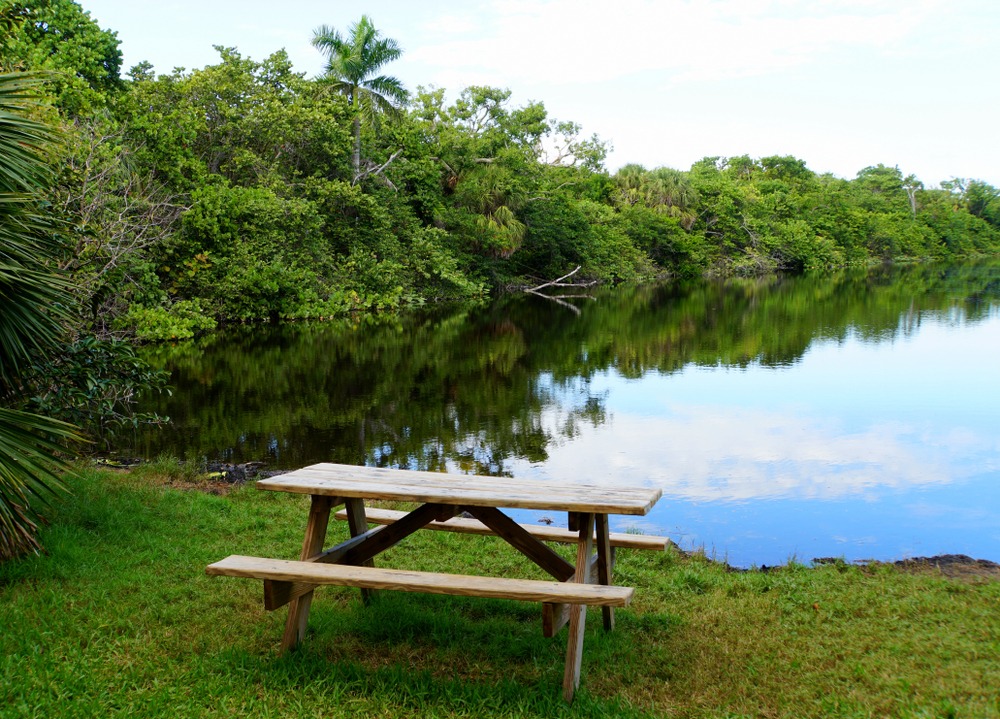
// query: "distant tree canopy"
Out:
[245,191]
[351,67]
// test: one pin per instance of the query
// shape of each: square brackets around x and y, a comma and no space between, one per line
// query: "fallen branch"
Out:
[559,282]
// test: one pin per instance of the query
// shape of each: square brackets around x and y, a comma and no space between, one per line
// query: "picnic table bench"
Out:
[456,503]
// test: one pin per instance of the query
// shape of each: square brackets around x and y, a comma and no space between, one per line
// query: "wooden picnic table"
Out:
[462,503]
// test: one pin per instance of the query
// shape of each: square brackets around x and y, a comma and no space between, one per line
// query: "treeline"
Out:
[236,192]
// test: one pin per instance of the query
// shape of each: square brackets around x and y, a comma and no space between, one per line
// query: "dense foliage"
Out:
[33,299]
[244,191]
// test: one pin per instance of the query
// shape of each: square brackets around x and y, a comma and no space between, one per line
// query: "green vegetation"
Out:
[349,70]
[245,192]
[34,301]
[118,618]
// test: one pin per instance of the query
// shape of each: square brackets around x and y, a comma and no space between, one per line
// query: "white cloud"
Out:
[842,84]
[701,453]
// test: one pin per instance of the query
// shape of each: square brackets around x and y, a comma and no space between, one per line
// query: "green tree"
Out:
[60,37]
[33,304]
[351,67]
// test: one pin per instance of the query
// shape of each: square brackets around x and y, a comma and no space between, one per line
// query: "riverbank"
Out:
[119,617]
[221,478]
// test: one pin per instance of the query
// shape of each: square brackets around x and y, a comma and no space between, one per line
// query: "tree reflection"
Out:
[471,389]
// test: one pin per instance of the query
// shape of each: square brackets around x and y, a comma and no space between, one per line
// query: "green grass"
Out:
[119,619]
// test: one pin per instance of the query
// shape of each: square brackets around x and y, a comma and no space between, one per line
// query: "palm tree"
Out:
[351,64]
[31,296]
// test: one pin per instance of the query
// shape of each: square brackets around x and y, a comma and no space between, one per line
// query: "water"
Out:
[854,416]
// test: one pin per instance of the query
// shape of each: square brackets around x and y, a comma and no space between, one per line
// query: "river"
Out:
[854,416]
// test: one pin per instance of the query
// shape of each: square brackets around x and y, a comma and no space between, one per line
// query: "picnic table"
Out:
[457,503]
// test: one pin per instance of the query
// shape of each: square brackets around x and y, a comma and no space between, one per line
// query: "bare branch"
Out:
[555,282]
[378,171]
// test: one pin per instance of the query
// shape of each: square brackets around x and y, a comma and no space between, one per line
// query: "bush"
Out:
[181,320]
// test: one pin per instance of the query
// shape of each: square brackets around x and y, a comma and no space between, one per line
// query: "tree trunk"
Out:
[356,155]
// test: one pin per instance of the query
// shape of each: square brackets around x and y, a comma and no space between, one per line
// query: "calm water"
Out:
[856,416]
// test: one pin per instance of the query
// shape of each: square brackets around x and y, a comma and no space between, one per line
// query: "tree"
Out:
[351,64]
[34,301]
[60,37]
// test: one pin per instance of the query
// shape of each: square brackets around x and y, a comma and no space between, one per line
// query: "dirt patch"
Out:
[221,478]
[954,566]
[217,478]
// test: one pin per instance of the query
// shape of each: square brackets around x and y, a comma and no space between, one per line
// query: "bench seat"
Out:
[545,533]
[532,590]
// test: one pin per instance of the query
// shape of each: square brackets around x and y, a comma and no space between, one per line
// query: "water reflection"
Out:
[756,404]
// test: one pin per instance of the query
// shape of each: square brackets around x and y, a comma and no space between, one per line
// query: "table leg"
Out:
[298,609]
[357,522]
[578,612]
[604,565]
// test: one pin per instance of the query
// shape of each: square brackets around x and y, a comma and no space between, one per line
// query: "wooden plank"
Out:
[604,561]
[543,532]
[578,612]
[556,616]
[278,594]
[533,590]
[357,524]
[393,533]
[298,610]
[516,535]
[441,488]
[356,550]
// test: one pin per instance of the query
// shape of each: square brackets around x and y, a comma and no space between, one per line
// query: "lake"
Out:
[854,415]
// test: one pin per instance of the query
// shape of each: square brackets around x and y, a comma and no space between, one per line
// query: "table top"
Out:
[341,480]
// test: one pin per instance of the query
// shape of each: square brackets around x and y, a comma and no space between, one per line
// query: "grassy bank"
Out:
[119,619]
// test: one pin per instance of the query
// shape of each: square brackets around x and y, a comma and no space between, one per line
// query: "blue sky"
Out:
[841,84]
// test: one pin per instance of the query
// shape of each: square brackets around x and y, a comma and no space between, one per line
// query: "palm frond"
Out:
[29,475]
[31,296]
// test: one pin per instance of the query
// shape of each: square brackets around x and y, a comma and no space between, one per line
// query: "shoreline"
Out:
[220,478]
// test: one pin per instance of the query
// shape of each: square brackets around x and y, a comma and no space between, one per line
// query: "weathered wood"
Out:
[356,550]
[283,570]
[357,524]
[556,616]
[298,610]
[441,488]
[604,563]
[516,535]
[578,612]
[441,496]
[573,522]
[278,594]
[393,533]
[543,532]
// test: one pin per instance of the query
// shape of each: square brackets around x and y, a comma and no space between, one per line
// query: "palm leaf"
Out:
[29,475]
[351,66]
[33,299]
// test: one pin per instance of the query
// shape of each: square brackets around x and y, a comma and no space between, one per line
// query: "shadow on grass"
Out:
[409,654]
[399,689]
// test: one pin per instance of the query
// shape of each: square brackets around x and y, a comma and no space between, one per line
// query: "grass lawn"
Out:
[119,619]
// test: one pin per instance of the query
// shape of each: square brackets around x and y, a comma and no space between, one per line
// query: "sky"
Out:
[840,84]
